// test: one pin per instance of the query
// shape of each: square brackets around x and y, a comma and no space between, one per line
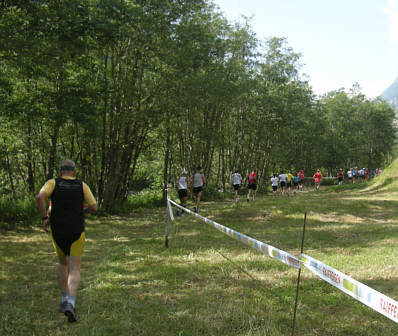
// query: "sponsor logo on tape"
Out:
[359,291]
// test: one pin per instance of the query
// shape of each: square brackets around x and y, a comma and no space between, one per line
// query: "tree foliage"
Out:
[134,91]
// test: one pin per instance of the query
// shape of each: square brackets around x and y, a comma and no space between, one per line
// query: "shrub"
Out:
[146,198]
[19,212]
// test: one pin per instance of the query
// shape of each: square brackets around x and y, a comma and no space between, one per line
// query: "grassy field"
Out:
[206,283]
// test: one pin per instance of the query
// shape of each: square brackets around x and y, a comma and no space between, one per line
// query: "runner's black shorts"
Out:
[252,186]
[236,186]
[182,193]
[197,190]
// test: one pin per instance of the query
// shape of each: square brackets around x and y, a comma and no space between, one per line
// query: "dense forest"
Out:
[136,90]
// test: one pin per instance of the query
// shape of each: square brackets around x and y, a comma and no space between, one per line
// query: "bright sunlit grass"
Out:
[206,283]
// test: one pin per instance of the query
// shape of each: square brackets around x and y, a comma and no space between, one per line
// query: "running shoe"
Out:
[62,306]
[70,312]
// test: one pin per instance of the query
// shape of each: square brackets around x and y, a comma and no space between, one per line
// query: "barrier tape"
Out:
[368,296]
[171,215]
[273,252]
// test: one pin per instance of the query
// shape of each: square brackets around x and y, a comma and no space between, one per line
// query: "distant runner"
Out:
[350,176]
[340,175]
[317,179]
[252,184]
[282,182]
[289,181]
[301,179]
[182,186]
[296,181]
[274,184]
[199,182]
[236,180]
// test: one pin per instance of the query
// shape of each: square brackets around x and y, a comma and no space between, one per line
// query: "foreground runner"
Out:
[68,196]
[182,186]
[236,180]
[199,182]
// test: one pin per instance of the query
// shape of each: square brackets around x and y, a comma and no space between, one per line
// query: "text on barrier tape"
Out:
[368,296]
[273,252]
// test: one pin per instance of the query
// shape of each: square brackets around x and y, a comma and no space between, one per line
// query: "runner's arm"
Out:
[41,199]
[203,179]
[89,200]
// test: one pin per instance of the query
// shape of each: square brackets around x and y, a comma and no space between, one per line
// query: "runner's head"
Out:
[198,168]
[184,172]
[68,167]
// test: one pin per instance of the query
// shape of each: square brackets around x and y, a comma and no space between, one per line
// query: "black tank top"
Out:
[67,207]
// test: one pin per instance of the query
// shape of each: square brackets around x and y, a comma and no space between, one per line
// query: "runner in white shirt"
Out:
[350,176]
[236,180]
[182,186]
[282,179]
[199,182]
[274,183]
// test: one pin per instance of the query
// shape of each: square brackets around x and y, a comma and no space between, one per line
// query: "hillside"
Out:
[387,181]
[391,93]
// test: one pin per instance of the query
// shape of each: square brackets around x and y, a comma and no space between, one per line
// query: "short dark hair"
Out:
[67,165]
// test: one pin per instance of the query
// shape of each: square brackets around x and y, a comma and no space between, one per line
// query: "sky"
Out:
[342,42]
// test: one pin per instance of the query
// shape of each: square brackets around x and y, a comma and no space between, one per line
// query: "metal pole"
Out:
[166,241]
[299,275]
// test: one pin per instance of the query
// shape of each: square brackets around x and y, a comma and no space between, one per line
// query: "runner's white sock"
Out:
[72,300]
[64,296]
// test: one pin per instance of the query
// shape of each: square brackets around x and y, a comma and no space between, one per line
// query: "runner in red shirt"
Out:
[252,184]
[301,179]
[340,176]
[317,179]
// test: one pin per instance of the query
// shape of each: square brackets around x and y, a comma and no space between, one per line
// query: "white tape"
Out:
[273,252]
[171,215]
[368,296]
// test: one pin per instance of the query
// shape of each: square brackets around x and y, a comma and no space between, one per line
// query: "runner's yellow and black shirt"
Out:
[68,195]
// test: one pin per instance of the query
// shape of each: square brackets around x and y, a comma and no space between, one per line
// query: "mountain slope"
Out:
[391,93]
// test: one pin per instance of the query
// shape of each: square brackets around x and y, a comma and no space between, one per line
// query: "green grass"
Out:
[206,283]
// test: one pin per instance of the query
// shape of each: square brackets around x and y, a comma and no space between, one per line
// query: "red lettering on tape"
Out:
[331,275]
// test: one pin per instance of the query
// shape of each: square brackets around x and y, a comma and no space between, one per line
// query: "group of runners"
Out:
[359,174]
[286,181]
